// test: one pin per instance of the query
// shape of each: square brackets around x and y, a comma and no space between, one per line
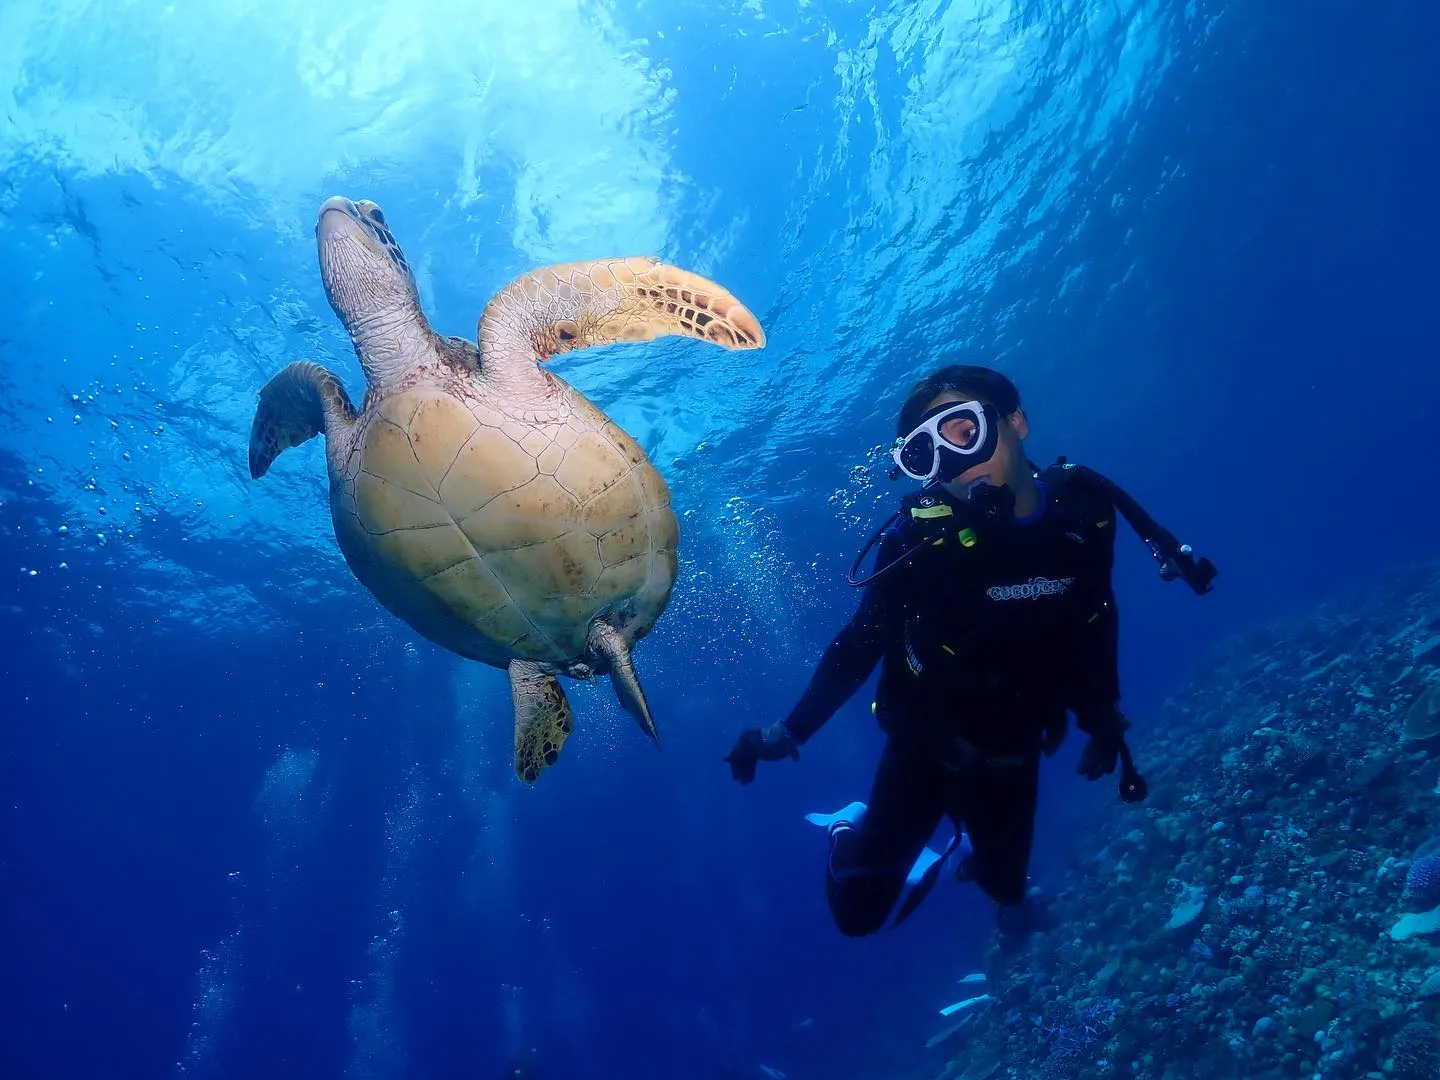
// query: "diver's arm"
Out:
[1093,691]
[842,670]
[1145,526]
[1095,701]
[852,656]
[1175,559]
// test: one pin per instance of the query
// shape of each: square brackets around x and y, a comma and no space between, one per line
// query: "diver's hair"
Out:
[984,384]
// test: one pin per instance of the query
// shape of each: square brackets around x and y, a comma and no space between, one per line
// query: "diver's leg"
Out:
[997,805]
[869,861]
[928,868]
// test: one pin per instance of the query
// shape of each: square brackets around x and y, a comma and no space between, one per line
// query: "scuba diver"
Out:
[991,613]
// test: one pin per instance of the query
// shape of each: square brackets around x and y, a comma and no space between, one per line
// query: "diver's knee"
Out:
[857,921]
[1007,893]
[1006,885]
[860,906]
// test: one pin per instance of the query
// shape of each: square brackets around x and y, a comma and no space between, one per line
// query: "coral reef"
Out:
[1287,832]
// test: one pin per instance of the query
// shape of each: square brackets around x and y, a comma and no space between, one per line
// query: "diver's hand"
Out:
[1052,735]
[768,744]
[1099,757]
[1106,728]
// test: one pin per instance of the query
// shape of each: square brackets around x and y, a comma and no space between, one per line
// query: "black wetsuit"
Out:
[987,635]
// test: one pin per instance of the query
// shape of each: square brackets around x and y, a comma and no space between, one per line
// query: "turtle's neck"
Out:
[529,391]
[390,344]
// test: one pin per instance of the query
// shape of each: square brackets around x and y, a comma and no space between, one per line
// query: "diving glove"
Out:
[773,743]
[1106,729]
[1053,733]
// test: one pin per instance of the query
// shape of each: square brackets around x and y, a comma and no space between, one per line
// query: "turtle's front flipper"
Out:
[576,305]
[609,643]
[296,405]
[542,719]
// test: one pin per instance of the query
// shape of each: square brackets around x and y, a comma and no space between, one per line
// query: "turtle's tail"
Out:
[610,644]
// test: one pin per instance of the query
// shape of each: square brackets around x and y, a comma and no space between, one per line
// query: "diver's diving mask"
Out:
[949,439]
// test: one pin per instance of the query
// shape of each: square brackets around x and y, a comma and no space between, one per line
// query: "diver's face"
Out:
[1008,461]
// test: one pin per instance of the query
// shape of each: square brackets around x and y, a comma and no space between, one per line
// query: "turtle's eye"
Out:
[376,215]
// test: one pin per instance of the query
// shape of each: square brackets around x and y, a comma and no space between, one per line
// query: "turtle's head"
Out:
[369,284]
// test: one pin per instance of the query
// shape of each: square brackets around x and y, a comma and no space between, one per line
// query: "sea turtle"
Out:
[478,496]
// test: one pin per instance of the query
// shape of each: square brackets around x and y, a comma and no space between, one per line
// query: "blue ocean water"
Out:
[252,825]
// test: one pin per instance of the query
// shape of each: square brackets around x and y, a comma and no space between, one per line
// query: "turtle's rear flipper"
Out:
[299,403]
[542,719]
[609,643]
